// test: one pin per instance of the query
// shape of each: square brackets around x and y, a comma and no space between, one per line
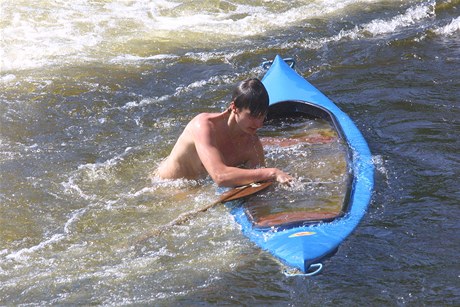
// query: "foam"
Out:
[179,91]
[22,254]
[410,17]
[380,166]
[80,30]
[122,32]
[144,102]
[7,78]
[39,38]
[134,58]
[378,27]
[449,29]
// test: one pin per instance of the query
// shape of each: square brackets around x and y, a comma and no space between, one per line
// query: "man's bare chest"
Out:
[235,152]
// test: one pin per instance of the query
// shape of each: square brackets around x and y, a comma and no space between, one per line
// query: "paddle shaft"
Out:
[237,193]
[233,194]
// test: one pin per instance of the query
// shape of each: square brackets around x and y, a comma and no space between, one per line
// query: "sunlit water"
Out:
[93,94]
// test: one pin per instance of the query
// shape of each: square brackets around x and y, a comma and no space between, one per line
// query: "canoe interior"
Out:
[322,162]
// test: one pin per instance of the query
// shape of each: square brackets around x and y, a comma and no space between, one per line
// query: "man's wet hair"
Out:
[251,93]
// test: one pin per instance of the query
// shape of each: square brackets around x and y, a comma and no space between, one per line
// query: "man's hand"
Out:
[283,177]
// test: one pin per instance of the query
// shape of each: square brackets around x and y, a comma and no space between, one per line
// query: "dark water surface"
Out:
[93,94]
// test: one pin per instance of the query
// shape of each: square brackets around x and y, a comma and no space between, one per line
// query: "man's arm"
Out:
[222,174]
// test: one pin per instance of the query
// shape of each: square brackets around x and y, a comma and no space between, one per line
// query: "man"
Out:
[225,145]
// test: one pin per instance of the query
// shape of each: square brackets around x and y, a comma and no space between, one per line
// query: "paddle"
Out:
[233,194]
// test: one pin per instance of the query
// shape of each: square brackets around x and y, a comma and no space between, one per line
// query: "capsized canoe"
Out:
[301,240]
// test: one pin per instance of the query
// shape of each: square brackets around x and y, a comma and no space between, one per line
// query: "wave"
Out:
[449,29]
[180,90]
[22,254]
[379,27]
[79,31]
[93,172]
[134,58]
[122,32]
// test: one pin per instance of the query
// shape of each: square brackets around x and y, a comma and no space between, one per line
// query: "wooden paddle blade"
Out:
[244,191]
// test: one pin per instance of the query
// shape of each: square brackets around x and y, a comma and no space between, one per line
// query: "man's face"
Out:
[248,122]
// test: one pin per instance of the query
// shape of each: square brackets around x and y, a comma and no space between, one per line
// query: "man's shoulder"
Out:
[205,119]
[206,116]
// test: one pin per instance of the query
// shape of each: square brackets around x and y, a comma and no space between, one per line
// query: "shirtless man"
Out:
[225,145]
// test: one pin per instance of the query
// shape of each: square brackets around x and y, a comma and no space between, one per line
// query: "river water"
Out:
[93,94]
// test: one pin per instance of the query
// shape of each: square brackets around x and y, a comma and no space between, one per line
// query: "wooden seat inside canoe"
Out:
[294,217]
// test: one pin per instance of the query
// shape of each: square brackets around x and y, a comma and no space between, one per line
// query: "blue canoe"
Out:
[304,244]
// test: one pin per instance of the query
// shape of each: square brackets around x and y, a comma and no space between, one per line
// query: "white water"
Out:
[38,34]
